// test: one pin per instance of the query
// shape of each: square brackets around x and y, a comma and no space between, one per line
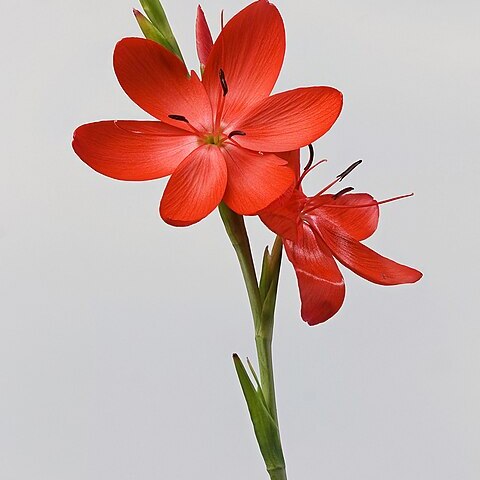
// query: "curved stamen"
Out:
[236,132]
[364,205]
[372,204]
[181,118]
[221,102]
[342,192]
[223,82]
[349,170]
[305,172]
[309,167]
[339,178]
[311,157]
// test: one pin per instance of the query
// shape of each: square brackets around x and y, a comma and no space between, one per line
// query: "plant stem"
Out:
[262,303]
[264,334]
[278,474]
[235,227]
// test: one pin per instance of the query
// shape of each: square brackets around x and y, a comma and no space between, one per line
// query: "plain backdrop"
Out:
[116,330]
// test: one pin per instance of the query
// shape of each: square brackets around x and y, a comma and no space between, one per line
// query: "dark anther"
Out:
[180,118]
[236,132]
[349,170]
[310,159]
[223,82]
[342,192]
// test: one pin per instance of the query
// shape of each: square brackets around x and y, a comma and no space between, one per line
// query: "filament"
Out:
[343,192]
[306,171]
[364,205]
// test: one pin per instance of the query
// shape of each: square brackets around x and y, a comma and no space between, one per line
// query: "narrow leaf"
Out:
[254,374]
[265,427]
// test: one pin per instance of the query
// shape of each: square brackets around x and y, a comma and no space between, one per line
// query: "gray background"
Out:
[116,330]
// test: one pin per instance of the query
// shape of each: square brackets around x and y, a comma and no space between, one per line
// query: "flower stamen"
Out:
[363,205]
[339,178]
[236,132]
[349,170]
[311,151]
[371,204]
[342,192]
[181,118]
[223,82]
[221,103]
[309,167]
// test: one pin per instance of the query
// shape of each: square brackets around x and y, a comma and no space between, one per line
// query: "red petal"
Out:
[293,159]
[195,188]
[357,222]
[157,81]
[290,120]
[285,221]
[320,282]
[130,150]
[254,180]
[250,51]
[364,261]
[204,37]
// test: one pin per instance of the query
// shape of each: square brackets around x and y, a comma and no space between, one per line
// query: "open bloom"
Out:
[318,230]
[216,137]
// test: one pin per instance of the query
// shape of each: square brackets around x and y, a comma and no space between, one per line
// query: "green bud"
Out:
[268,286]
[158,18]
[149,30]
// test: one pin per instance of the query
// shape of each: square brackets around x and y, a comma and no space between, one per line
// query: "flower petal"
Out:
[254,180]
[293,159]
[320,282]
[357,222]
[285,220]
[250,51]
[157,81]
[131,150]
[195,188]
[203,36]
[364,261]
[290,120]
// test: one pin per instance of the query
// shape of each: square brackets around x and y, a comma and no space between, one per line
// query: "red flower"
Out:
[317,230]
[214,134]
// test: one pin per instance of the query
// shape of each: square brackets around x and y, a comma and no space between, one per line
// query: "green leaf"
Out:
[265,427]
[257,381]
[158,17]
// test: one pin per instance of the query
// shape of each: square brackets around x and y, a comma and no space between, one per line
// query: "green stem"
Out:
[264,334]
[235,227]
[262,303]
[265,365]
[278,474]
